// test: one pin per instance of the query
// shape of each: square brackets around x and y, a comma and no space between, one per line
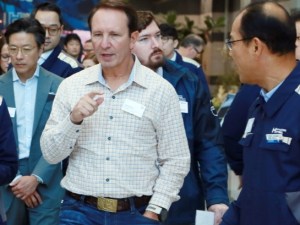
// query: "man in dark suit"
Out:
[8,153]
[35,193]
[54,59]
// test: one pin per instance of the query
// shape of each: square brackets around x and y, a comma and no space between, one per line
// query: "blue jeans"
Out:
[74,212]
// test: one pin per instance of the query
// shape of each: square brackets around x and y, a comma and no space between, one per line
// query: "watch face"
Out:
[163,215]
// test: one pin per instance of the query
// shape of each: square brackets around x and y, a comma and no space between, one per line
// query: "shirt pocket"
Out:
[274,146]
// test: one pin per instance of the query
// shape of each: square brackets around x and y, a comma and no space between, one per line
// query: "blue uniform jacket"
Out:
[271,175]
[8,149]
[8,153]
[205,144]
[194,69]
[61,64]
[235,123]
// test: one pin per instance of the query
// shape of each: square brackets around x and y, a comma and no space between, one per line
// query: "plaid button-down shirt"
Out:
[115,153]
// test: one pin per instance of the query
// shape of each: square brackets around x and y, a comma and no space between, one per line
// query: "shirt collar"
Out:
[136,75]
[46,54]
[268,95]
[15,76]
[174,56]
[160,71]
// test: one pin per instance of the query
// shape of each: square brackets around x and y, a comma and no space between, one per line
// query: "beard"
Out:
[156,59]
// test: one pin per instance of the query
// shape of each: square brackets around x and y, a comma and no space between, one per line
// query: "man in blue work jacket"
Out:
[262,45]
[169,37]
[234,125]
[201,126]
[8,153]
[238,112]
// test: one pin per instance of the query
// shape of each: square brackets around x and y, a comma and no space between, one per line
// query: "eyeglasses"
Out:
[165,39]
[147,38]
[197,51]
[5,58]
[229,42]
[52,30]
[13,50]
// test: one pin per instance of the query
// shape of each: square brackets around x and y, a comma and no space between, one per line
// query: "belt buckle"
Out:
[107,204]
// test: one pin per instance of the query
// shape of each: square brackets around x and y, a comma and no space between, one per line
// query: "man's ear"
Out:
[134,36]
[175,43]
[257,45]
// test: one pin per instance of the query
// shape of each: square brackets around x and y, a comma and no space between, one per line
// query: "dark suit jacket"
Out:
[50,190]
[61,64]
[8,152]
[209,182]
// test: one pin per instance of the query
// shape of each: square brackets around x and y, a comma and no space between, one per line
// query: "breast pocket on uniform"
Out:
[276,142]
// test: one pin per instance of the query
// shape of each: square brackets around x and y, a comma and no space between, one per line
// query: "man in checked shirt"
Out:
[121,126]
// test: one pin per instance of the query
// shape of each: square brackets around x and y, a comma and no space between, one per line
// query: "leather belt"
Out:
[111,204]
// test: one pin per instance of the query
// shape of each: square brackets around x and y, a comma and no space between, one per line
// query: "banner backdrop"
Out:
[75,12]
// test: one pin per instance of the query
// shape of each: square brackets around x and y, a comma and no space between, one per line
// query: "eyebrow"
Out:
[149,35]
[50,25]
[26,45]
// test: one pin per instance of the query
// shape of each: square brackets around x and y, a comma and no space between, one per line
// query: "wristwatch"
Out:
[161,212]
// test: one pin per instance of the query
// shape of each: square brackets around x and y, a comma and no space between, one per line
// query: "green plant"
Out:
[188,26]
[227,83]
[212,25]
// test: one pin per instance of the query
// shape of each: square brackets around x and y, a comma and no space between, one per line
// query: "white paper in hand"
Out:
[204,218]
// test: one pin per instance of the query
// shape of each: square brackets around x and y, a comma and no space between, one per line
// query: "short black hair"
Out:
[48,6]
[276,29]
[120,6]
[70,37]
[296,15]
[168,30]
[27,25]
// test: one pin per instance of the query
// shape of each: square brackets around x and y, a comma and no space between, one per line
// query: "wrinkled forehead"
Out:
[109,20]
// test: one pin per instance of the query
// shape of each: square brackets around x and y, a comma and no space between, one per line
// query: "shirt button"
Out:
[107,158]
[111,117]
[109,138]
[107,179]
[113,97]
[77,131]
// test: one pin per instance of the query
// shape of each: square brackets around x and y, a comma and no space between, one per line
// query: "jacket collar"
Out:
[288,88]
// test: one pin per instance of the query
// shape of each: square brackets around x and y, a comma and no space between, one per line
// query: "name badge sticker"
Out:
[274,138]
[184,106]
[278,138]
[12,111]
[133,107]
[248,127]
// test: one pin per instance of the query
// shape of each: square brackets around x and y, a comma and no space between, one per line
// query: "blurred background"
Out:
[210,19]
